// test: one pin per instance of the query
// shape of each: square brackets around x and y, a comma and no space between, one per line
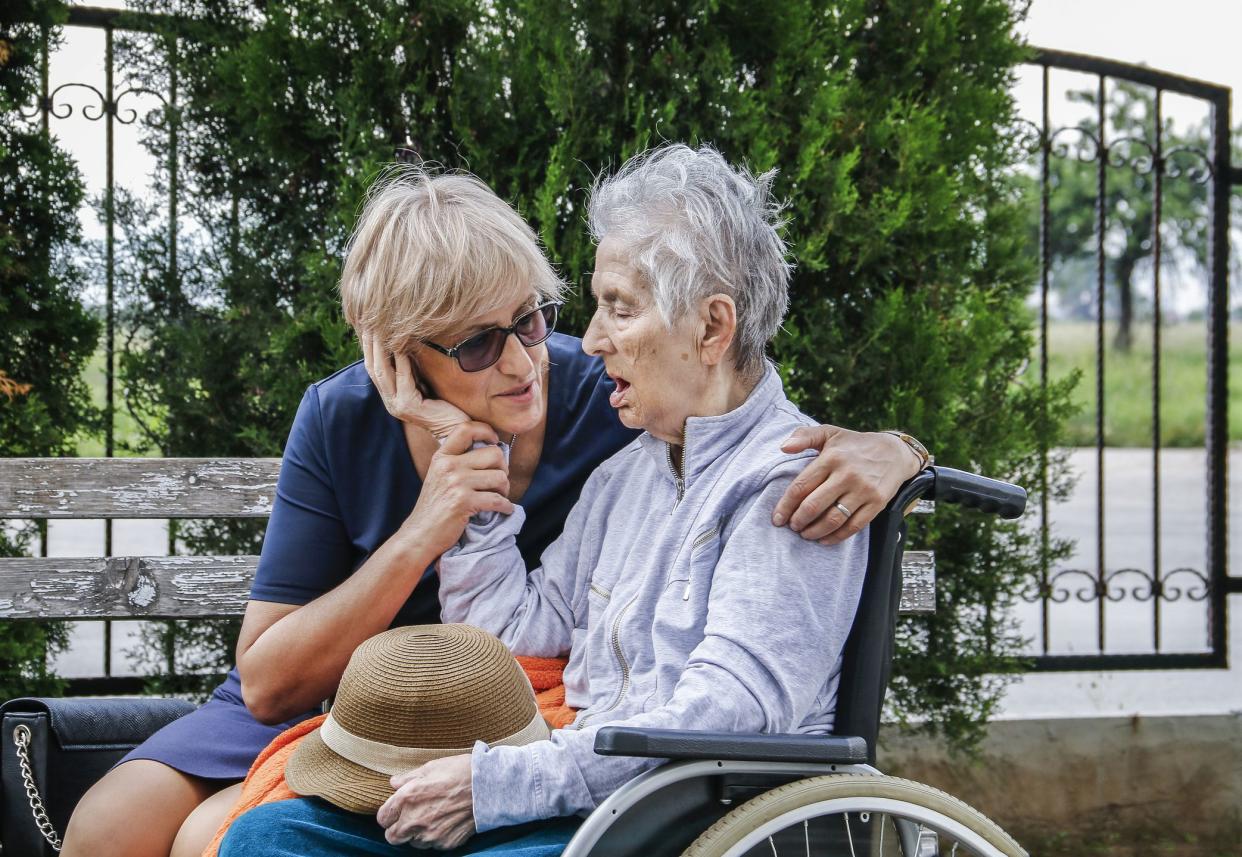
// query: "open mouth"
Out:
[618,394]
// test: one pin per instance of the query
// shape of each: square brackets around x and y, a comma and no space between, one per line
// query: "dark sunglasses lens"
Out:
[479,352]
[534,327]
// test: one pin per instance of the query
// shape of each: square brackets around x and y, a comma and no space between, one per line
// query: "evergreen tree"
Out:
[889,121]
[46,335]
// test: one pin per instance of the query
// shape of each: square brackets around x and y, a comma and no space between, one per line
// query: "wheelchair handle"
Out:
[979,492]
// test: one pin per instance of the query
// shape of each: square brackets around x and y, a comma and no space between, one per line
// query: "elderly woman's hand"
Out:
[393,377]
[432,807]
[858,470]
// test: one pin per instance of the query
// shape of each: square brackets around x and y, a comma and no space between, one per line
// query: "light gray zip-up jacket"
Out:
[678,602]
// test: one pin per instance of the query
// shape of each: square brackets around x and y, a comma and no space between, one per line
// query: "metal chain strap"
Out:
[21,739]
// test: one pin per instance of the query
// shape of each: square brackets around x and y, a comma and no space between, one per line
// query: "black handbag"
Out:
[53,750]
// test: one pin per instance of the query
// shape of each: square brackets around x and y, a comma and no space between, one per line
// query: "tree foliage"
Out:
[888,120]
[46,336]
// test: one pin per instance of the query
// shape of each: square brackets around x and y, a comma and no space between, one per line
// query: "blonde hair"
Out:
[431,251]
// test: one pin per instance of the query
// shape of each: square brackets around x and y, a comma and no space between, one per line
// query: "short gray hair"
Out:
[431,250]
[694,226]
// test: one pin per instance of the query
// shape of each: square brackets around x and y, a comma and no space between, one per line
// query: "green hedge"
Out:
[46,336]
[887,118]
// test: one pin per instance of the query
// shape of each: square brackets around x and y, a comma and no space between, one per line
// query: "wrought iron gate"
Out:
[1101,585]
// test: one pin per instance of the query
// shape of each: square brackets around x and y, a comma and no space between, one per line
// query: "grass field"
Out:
[1128,383]
[125,429]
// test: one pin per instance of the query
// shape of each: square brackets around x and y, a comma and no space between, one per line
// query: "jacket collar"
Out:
[708,439]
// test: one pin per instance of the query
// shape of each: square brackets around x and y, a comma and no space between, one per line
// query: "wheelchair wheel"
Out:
[855,815]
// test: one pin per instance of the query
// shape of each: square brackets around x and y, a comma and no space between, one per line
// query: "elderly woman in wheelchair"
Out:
[679,605]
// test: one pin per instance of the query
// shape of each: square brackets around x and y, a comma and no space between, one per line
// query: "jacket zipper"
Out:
[680,482]
[625,667]
[602,593]
[678,479]
[703,539]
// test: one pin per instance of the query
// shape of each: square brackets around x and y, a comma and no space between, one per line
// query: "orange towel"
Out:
[265,782]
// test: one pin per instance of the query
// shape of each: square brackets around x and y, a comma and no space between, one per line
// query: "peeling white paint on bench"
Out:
[185,587]
[149,488]
[137,487]
[181,587]
[918,583]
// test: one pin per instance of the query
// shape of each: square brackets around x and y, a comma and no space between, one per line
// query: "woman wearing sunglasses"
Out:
[444,283]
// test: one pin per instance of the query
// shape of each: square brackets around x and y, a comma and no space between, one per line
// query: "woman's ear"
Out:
[718,316]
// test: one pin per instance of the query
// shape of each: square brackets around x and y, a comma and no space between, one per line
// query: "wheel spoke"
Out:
[849,835]
[806,835]
[773,844]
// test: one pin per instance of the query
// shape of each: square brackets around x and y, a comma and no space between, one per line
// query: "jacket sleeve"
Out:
[484,582]
[779,611]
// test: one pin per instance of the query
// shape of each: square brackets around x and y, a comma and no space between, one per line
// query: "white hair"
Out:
[694,226]
[431,251]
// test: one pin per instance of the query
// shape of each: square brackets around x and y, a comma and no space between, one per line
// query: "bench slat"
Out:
[86,488]
[121,587]
[137,487]
[185,587]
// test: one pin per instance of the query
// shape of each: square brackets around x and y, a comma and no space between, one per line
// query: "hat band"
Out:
[394,759]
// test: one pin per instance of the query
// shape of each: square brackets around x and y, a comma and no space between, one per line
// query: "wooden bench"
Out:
[180,587]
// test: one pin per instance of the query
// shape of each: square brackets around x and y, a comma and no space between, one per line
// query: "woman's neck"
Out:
[724,390]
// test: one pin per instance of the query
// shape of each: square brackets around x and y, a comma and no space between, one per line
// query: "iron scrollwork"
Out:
[1090,588]
[1027,136]
[1176,166]
[1134,152]
[1086,150]
[100,107]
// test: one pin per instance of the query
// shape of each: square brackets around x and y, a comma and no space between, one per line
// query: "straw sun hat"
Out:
[408,696]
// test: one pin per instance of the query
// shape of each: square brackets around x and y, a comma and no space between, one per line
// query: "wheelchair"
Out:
[764,795]
[720,795]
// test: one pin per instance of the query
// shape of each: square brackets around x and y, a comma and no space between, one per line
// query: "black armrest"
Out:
[729,746]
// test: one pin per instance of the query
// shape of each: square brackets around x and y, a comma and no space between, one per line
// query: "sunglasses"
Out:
[476,353]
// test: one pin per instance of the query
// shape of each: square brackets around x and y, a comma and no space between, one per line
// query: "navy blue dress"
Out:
[347,482]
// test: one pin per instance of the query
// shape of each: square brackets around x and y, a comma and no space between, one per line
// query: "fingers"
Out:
[379,367]
[484,480]
[490,501]
[406,382]
[838,523]
[485,458]
[398,780]
[853,526]
[463,437]
[809,437]
[792,506]
[835,510]
[389,812]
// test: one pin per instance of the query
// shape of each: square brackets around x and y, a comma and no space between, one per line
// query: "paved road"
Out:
[1073,626]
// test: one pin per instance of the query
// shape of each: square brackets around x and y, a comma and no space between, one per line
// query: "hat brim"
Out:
[315,770]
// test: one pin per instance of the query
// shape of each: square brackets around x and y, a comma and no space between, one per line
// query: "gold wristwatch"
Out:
[925,457]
